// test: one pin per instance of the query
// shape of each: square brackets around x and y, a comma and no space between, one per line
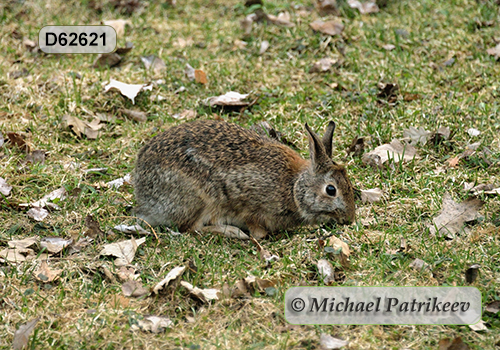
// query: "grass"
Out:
[83,309]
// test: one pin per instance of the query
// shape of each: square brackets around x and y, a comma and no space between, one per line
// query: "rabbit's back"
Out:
[216,172]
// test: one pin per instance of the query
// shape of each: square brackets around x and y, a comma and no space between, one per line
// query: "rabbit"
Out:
[212,172]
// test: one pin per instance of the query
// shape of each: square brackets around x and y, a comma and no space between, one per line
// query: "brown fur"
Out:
[212,172]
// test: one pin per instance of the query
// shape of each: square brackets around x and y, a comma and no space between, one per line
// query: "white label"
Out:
[77,39]
[383,305]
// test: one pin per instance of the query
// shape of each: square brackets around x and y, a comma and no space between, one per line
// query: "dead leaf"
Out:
[453,162]
[45,274]
[118,25]
[17,255]
[327,7]
[127,274]
[323,65]
[453,216]
[340,248]
[4,187]
[283,19]
[134,289]
[1,139]
[30,45]
[264,253]
[495,51]
[419,264]
[171,276]
[153,63]
[264,45]
[395,151]
[388,47]
[182,43]
[455,344]
[239,44]
[130,229]
[257,284]
[441,134]
[126,49]
[116,184]
[18,140]
[22,335]
[187,114]
[104,60]
[37,213]
[371,196]
[330,27]
[55,244]
[36,157]
[493,307]
[357,146]
[247,23]
[326,271]
[471,273]
[328,342]
[473,132]
[154,324]
[49,200]
[204,295]
[138,116]
[23,243]
[79,127]
[127,90]
[240,289]
[416,136]
[388,91]
[189,71]
[124,251]
[230,98]
[200,77]
[478,327]
[365,7]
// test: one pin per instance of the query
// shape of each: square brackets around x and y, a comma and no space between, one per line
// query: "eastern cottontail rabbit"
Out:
[215,173]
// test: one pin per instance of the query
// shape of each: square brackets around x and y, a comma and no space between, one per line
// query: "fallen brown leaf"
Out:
[153,63]
[138,116]
[330,27]
[323,65]
[128,90]
[453,216]
[55,244]
[494,51]
[365,7]
[18,141]
[105,60]
[416,136]
[154,324]
[21,336]
[395,151]
[37,213]
[5,188]
[204,295]
[371,196]
[124,251]
[328,342]
[45,274]
[134,288]
[171,276]
[200,77]
[326,271]
[327,7]
[230,98]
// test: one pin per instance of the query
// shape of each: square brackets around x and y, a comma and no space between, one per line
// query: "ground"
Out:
[445,78]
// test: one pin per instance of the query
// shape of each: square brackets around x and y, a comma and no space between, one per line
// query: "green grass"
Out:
[84,309]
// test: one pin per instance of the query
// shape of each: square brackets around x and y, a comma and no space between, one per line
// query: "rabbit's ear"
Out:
[318,155]
[327,138]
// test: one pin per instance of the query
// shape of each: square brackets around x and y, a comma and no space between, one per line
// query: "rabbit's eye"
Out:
[331,190]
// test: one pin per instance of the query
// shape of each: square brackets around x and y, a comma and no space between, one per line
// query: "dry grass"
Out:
[84,309]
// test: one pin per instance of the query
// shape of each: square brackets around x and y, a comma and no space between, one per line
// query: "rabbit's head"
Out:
[323,192]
